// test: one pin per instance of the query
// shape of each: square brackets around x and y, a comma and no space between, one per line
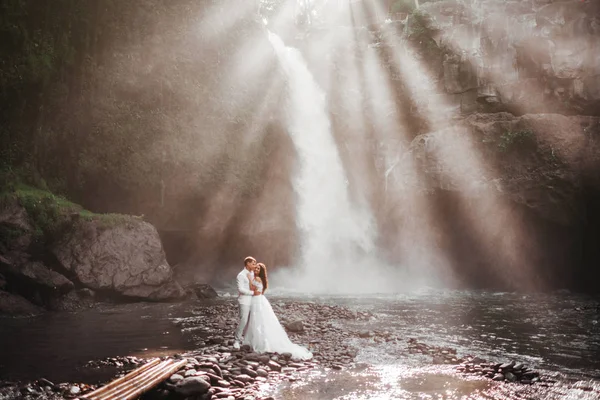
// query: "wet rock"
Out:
[204,291]
[274,366]
[249,372]
[295,326]
[192,386]
[507,365]
[244,378]
[245,348]
[519,366]
[223,383]
[216,340]
[510,377]
[509,372]
[264,359]
[74,390]
[175,378]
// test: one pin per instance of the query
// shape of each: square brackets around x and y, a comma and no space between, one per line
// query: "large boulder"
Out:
[120,256]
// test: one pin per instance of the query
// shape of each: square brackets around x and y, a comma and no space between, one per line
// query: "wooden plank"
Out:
[117,388]
[143,387]
[130,375]
[138,381]
[123,387]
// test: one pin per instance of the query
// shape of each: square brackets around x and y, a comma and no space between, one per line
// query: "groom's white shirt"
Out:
[243,285]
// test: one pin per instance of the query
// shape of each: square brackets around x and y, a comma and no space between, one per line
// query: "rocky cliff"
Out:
[541,161]
[57,255]
[540,56]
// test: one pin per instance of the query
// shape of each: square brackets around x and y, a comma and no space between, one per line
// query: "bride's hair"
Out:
[262,274]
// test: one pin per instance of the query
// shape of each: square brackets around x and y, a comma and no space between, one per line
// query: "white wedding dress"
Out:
[264,332]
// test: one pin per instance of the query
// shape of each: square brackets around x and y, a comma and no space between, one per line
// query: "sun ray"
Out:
[462,164]
[370,110]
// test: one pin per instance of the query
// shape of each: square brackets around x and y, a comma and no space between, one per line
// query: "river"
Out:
[557,334]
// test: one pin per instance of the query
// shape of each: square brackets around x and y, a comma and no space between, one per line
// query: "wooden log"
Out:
[149,383]
[115,391]
[116,382]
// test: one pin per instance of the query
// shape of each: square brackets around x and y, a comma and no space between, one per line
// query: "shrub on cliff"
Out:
[49,214]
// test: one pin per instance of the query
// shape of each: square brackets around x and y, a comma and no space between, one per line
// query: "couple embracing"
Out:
[259,326]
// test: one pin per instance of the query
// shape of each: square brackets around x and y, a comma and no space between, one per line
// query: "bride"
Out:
[264,332]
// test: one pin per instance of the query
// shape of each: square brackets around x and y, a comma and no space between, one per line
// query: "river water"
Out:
[557,334]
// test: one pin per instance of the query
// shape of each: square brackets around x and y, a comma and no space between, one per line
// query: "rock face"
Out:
[516,56]
[125,259]
[16,233]
[540,161]
[504,191]
[37,273]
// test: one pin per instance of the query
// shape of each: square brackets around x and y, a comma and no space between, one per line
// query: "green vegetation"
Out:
[50,214]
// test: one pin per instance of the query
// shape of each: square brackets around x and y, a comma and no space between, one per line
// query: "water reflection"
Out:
[402,382]
[389,382]
[57,345]
[557,331]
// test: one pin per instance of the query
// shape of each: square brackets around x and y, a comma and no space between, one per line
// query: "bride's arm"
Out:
[252,287]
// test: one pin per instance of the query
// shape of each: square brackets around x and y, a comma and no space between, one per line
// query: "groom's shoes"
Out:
[236,345]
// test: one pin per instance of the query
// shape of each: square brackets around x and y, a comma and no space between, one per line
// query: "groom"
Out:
[244,298]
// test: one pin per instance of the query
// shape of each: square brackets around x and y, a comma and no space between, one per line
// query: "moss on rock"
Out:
[49,214]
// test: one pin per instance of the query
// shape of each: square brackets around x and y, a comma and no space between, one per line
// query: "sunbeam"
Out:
[460,162]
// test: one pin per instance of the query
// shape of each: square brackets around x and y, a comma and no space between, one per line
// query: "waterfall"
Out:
[337,236]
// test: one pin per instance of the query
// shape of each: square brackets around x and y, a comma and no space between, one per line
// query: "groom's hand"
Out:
[256,292]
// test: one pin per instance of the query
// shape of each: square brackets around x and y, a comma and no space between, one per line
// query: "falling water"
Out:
[337,236]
